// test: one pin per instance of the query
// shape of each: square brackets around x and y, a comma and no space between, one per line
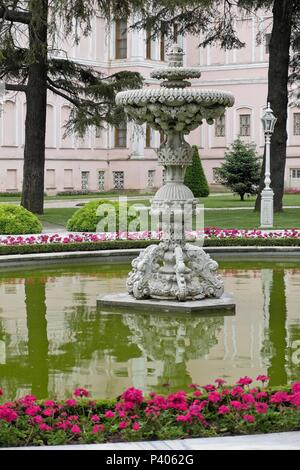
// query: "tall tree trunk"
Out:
[35,125]
[279,61]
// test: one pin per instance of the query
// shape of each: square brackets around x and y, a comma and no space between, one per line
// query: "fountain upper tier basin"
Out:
[174,109]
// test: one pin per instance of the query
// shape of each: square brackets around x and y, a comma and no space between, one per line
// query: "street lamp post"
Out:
[267,195]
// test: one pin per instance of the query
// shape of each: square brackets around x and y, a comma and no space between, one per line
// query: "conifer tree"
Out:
[195,178]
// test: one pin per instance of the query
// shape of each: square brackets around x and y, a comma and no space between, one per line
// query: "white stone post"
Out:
[267,195]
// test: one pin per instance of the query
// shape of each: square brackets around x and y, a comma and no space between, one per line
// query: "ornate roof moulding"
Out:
[174,270]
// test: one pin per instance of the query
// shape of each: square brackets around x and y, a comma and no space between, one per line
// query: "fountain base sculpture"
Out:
[174,271]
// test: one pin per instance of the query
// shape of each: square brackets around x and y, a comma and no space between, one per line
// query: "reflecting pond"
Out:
[53,338]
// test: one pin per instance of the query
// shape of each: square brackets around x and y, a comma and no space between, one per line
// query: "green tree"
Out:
[30,62]
[241,169]
[195,177]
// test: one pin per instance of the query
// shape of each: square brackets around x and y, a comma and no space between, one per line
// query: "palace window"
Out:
[151,178]
[162,47]
[148,44]
[85,176]
[245,125]
[118,179]
[296,123]
[121,136]
[148,136]
[101,180]
[220,127]
[121,39]
[295,173]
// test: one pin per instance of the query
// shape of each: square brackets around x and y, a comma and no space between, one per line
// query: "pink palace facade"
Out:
[124,158]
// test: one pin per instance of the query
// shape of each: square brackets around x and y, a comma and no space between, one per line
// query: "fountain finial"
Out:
[175,56]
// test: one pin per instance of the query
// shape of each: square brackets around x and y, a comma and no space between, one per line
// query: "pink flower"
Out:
[244,381]
[209,388]
[71,402]
[38,419]
[109,414]
[95,419]
[223,410]
[182,418]
[122,425]
[75,429]
[261,395]
[296,387]
[32,410]
[197,393]
[280,397]
[136,426]
[45,427]
[261,408]
[48,412]
[248,398]
[236,405]
[98,428]
[49,403]
[263,378]
[249,418]
[81,392]
[237,392]
[133,395]
[220,382]
[214,397]
[295,399]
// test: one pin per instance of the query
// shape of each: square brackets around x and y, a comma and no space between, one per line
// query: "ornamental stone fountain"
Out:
[174,274]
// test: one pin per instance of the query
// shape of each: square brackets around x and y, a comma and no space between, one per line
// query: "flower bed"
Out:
[208,233]
[44,243]
[212,410]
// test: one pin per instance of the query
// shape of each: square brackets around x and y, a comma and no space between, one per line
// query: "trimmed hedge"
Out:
[15,220]
[140,244]
[86,219]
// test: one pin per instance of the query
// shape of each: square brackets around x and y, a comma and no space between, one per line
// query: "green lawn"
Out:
[290,218]
[57,216]
[231,200]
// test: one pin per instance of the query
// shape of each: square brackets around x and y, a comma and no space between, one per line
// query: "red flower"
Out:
[263,378]
[249,418]
[1,392]
[75,429]
[95,419]
[214,397]
[122,425]
[223,410]
[136,426]
[261,408]
[98,428]
[133,395]
[45,427]
[244,381]
[81,392]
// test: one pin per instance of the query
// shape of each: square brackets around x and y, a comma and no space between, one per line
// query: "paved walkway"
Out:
[282,441]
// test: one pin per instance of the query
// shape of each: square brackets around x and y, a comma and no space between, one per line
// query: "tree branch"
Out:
[15,87]
[15,16]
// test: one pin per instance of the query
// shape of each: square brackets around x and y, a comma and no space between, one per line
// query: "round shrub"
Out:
[87,220]
[15,220]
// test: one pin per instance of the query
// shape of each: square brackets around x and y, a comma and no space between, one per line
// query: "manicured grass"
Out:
[57,216]
[231,200]
[289,218]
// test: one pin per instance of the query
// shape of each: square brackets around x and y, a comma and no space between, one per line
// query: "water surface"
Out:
[53,338]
